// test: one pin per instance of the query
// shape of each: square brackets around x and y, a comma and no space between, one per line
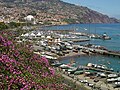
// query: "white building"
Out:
[30,19]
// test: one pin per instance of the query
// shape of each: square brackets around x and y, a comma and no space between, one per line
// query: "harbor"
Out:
[62,45]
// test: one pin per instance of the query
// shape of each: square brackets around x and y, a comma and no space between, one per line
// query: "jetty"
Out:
[112,53]
[77,40]
[107,52]
[100,51]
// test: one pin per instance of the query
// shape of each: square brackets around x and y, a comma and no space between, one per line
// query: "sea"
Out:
[112,30]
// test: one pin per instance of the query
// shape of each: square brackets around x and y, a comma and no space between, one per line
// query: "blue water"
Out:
[113,30]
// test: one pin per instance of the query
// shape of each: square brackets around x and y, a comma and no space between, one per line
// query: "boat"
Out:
[118,79]
[116,84]
[69,47]
[112,75]
[56,64]
[102,75]
[65,66]
[84,81]
[78,72]
[90,72]
[71,71]
[94,36]
[105,37]
[86,51]
[49,57]
[82,68]
[101,66]
[112,80]
[90,84]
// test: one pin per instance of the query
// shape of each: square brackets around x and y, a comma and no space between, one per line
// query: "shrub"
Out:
[20,69]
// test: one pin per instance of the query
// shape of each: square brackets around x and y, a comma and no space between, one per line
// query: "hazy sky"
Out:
[109,7]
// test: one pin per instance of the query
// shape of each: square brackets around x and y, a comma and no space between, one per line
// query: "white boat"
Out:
[117,83]
[112,75]
[90,84]
[56,64]
[112,80]
[49,57]
[83,81]
[69,47]
[64,66]
[103,67]
[103,75]
[71,71]
[118,79]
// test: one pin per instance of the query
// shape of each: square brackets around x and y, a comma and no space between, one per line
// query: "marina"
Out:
[92,61]
[111,57]
[59,44]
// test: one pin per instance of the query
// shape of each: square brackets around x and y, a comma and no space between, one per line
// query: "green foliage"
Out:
[14,24]
[10,25]
[3,26]
[47,23]
[70,20]
[33,13]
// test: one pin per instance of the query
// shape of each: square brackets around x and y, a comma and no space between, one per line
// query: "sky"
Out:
[108,7]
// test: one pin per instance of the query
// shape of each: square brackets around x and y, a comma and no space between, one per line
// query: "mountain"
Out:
[70,13]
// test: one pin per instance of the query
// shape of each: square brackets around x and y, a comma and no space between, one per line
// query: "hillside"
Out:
[65,12]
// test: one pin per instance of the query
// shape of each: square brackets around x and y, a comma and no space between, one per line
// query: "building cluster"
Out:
[18,14]
[12,14]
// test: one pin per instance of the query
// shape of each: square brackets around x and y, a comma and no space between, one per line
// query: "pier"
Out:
[106,52]
[112,53]
[100,51]
[76,40]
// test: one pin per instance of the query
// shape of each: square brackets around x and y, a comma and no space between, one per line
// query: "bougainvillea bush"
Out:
[20,69]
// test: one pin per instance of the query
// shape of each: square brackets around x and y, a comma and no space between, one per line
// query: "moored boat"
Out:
[102,75]
[112,80]
[65,66]
[116,84]
[112,75]
[56,64]
[78,72]
[105,37]
[72,70]
[102,67]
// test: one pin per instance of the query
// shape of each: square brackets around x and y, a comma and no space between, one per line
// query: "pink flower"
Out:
[9,43]
[16,53]
[52,71]
[45,61]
